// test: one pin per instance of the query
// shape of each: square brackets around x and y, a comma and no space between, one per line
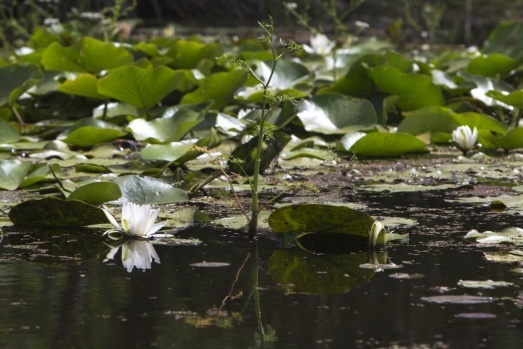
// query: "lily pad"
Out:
[96,193]
[380,144]
[324,219]
[8,134]
[87,56]
[143,88]
[148,190]
[494,65]
[85,85]
[415,90]
[459,299]
[54,212]
[12,173]
[219,87]
[336,114]
[165,130]
[17,79]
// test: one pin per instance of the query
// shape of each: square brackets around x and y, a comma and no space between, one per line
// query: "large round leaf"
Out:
[143,88]
[188,54]
[494,65]
[219,87]
[96,193]
[54,212]
[380,144]
[415,90]
[429,119]
[91,135]
[15,80]
[165,130]
[148,190]
[336,114]
[480,121]
[513,139]
[8,134]
[85,85]
[506,39]
[12,173]
[313,218]
[87,56]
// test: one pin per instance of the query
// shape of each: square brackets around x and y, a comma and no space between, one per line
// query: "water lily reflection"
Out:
[135,253]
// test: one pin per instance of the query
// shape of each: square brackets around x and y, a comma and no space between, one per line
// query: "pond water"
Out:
[226,292]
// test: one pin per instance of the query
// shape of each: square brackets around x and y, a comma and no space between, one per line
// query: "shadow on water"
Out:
[59,289]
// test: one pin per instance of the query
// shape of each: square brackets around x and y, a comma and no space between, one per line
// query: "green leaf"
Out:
[87,136]
[54,212]
[301,272]
[357,82]
[514,98]
[39,174]
[188,54]
[85,85]
[512,140]
[96,193]
[148,190]
[87,56]
[312,218]
[17,79]
[480,121]
[379,144]
[493,65]
[506,39]
[286,74]
[165,130]
[12,173]
[143,88]
[8,134]
[220,87]
[429,119]
[415,90]
[336,114]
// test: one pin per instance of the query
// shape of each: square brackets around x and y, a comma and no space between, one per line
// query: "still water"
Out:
[226,293]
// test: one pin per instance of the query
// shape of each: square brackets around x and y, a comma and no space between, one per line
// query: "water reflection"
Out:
[135,253]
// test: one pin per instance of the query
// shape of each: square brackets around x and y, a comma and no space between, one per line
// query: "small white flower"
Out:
[377,235]
[137,221]
[320,45]
[135,253]
[465,138]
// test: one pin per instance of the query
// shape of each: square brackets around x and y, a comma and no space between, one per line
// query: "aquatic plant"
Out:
[138,221]
[465,138]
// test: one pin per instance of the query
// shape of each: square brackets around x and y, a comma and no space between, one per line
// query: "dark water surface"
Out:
[175,304]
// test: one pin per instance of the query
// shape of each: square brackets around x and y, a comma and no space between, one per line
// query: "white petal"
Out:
[111,219]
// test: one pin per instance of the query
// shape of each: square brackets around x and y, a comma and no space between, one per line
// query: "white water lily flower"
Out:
[135,253]
[137,221]
[320,45]
[465,138]
[377,235]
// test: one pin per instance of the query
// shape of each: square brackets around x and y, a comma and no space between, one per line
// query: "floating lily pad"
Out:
[494,65]
[87,56]
[12,173]
[336,114]
[54,212]
[17,79]
[484,284]
[323,219]
[165,130]
[148,190]
[96,193]
[219,87]
[380,144]
[85,85]
[8,134]
[415,90]
[143,88]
